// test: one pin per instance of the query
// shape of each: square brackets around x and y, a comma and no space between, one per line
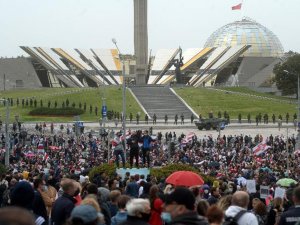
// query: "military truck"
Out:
[211,123]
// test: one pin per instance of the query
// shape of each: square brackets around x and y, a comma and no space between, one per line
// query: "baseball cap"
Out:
[181,196]
[86,213]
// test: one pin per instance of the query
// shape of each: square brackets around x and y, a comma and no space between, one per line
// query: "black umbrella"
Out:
[214,164]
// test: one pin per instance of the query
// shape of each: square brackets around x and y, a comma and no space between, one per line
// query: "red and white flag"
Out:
[189,137]
[260,148]
[40,148]
[237,7]
[46,156]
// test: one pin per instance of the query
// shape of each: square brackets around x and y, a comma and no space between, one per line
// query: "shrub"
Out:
[109,169]
[159,173]
[56,111]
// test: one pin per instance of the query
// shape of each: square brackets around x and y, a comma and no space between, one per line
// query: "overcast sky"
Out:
[92,23]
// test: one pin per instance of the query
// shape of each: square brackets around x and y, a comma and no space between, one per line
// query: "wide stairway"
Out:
[161,101]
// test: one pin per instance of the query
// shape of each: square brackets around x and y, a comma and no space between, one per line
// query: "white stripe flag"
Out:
[46,156]
[189,136]
[260,148]
[40,148]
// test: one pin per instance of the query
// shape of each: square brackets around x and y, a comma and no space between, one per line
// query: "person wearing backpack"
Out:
[237,213]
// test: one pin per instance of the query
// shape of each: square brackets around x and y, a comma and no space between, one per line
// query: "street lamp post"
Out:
[123,94]
[7,103]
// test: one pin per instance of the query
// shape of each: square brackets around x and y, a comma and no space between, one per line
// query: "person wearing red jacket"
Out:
[156,206]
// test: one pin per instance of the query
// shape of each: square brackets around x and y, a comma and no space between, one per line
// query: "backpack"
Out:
[229,220]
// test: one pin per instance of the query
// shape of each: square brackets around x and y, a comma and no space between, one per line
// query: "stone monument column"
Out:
[140,40]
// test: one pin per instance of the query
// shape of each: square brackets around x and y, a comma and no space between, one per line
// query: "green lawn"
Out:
[92,96]
[245,90]
[204,100]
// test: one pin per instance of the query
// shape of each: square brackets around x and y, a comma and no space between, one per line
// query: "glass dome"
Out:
[264,42]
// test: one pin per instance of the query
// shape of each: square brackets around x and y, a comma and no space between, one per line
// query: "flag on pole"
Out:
[260,148]
[237,7]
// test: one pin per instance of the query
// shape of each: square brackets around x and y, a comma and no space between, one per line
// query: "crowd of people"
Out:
[47,179]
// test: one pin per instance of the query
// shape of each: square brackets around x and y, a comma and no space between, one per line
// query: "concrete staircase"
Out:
[161,101]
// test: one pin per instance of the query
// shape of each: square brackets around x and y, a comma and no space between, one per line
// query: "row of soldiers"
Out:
[258,118]
[154,118]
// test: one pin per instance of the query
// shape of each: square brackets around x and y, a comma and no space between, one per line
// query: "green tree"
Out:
[286,75]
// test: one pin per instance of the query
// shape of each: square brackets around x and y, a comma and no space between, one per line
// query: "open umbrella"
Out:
[267,169]
[286,182]
[185,178]
[214,164]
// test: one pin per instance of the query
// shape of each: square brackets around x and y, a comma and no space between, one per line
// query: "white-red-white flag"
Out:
[260,148]
[46,156]
[189,137]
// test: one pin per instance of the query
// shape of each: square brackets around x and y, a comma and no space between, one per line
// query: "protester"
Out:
[121,215]
[83,215]
[16,216]
[138,212]
[156,206]
[274,214]
[239,204]
[23,196]
[292,216]
[215,215]
[226,162]
[64,205]
[179,208]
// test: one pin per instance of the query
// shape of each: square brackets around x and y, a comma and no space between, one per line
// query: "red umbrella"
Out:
[185,178]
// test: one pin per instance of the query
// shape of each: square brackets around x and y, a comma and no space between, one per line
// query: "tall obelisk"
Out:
[140,40]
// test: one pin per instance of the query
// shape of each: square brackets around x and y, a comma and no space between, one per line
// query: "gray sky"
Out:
[92,23]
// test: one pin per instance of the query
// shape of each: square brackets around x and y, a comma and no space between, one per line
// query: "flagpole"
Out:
[242,9]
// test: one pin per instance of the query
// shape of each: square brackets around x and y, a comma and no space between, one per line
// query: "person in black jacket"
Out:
[292,216]
[146,139]
[133,143]
[64,205]
[22,195]
[179,208]
[39,207]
